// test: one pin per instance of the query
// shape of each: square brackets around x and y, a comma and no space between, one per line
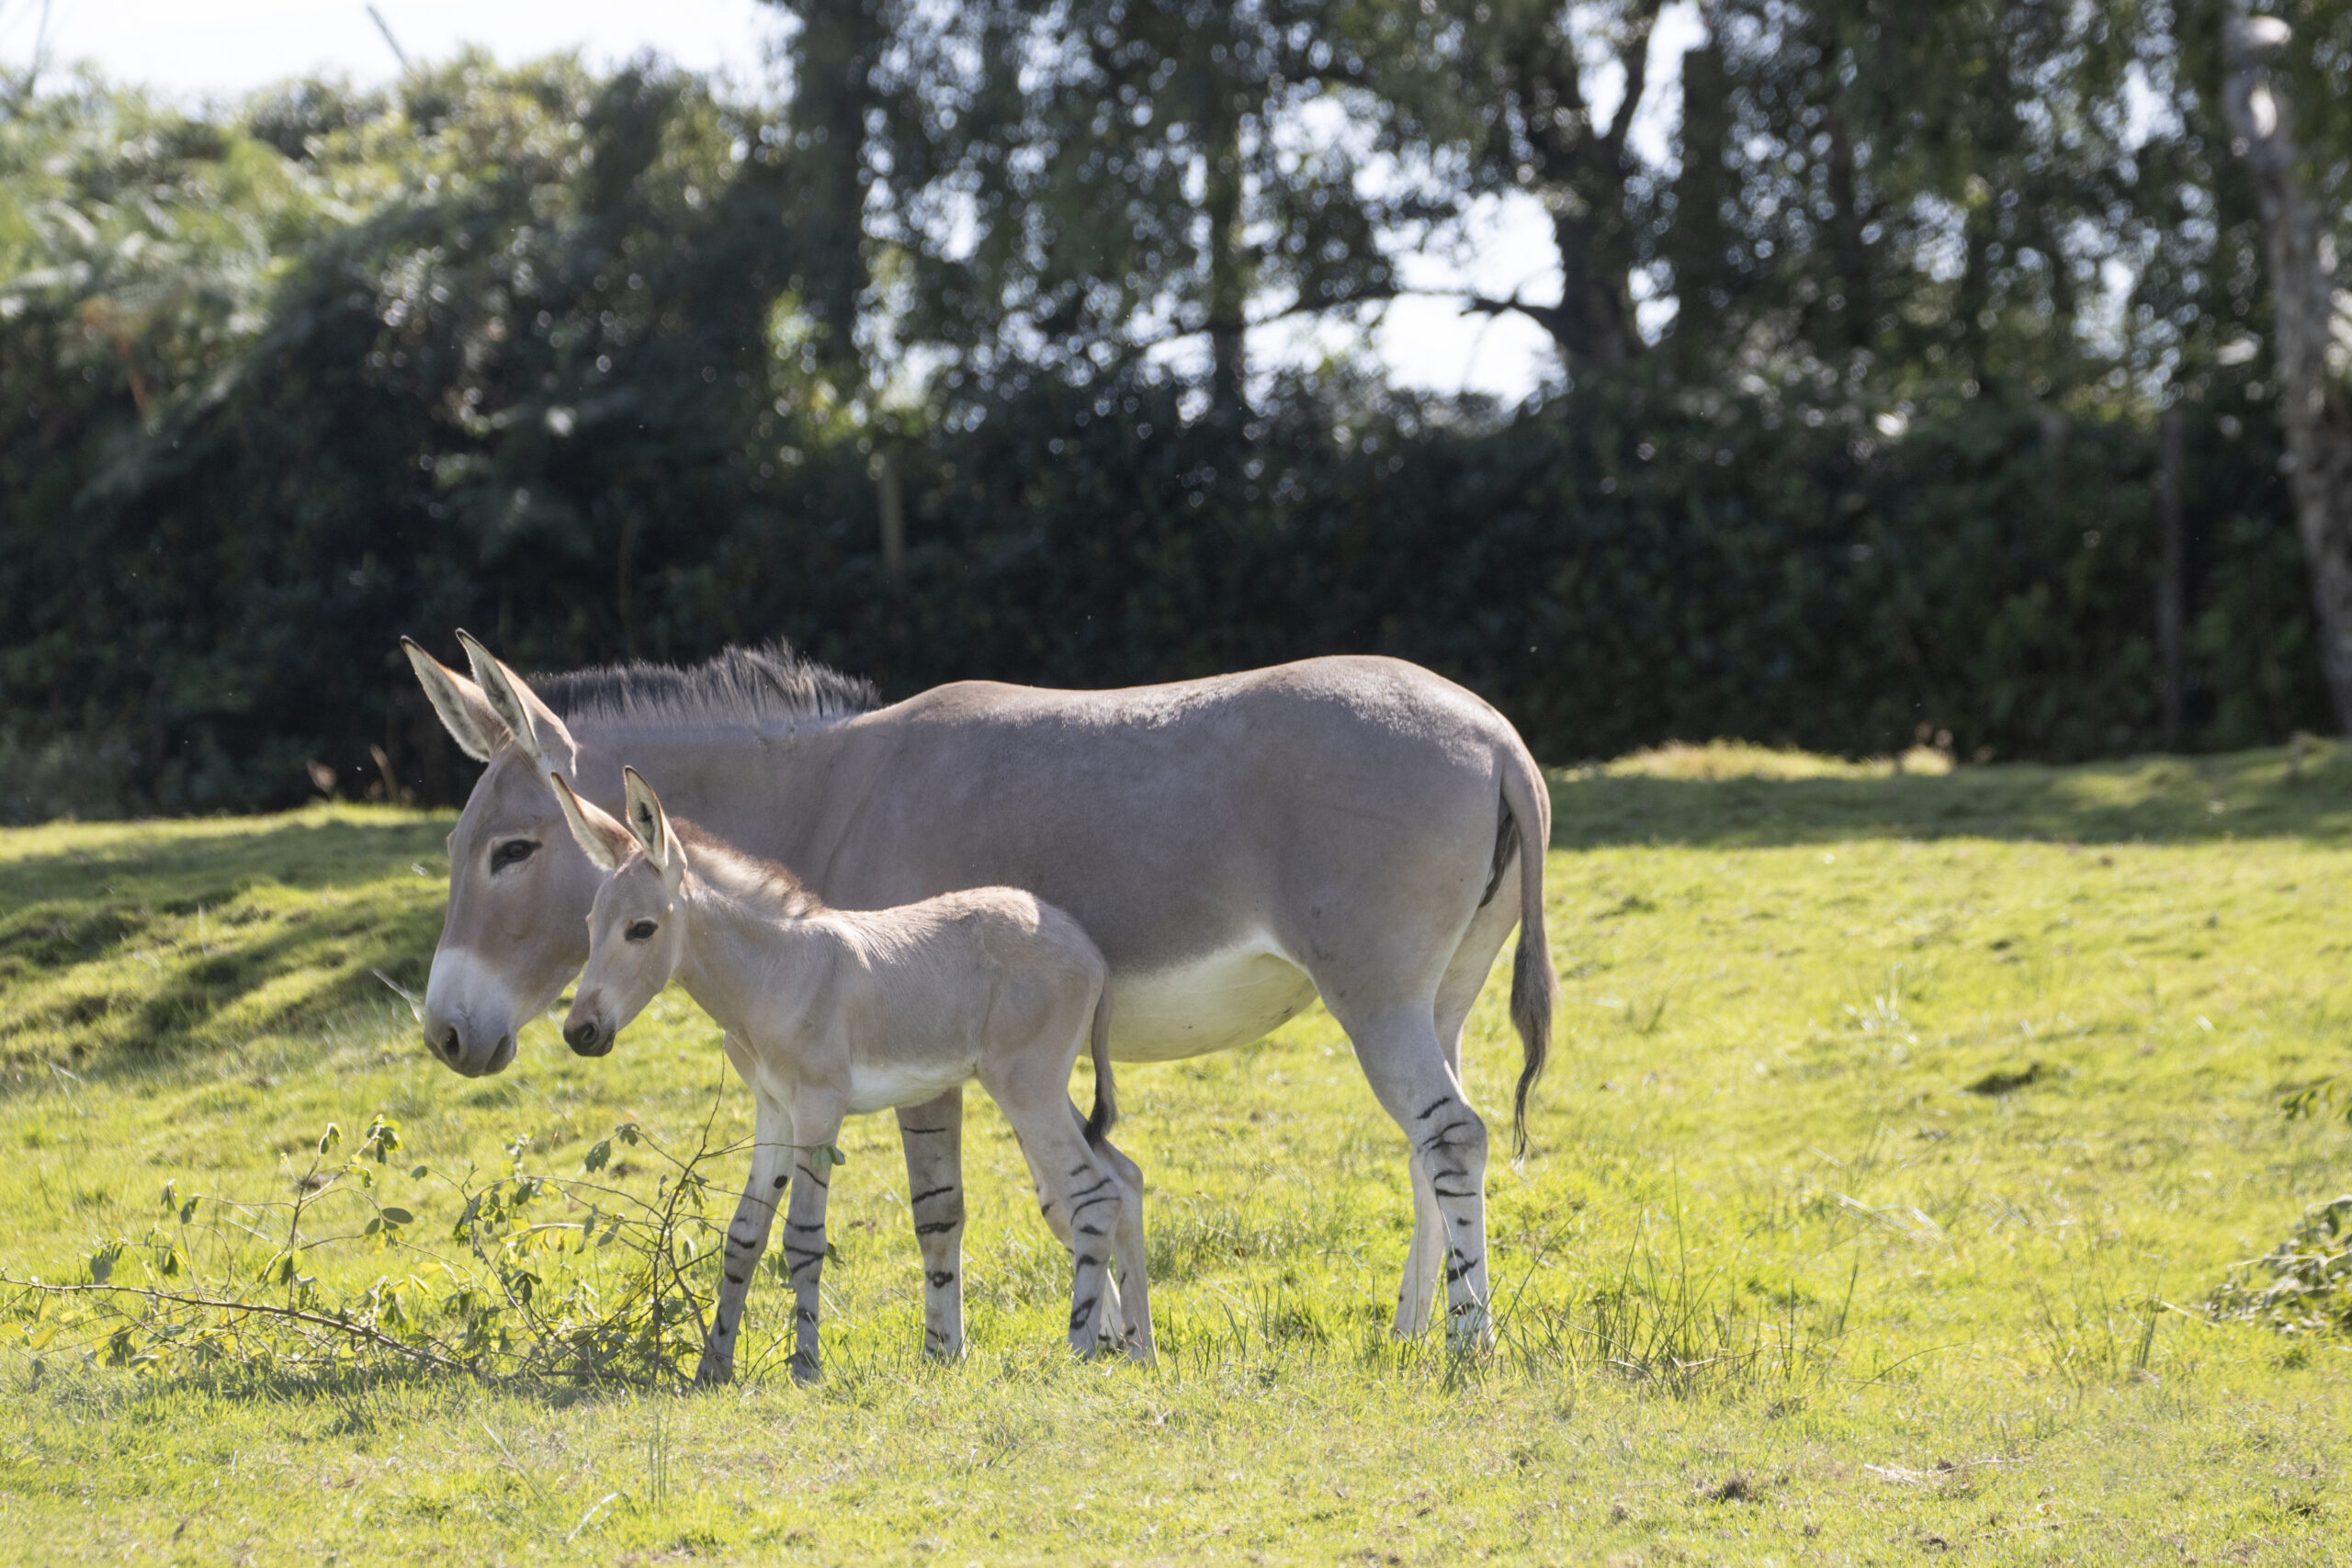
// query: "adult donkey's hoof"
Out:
[714,1372]
[1470,1331]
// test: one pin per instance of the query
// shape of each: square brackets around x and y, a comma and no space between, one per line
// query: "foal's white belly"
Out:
[883,1086]
[1210,1003]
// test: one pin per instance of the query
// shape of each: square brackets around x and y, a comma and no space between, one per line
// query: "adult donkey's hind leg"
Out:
[1465,976]
[1398,1046]
[933,1135]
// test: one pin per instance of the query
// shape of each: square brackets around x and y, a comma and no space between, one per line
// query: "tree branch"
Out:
[1635,59]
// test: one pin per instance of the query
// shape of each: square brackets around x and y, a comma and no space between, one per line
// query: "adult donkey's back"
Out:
[1355,827]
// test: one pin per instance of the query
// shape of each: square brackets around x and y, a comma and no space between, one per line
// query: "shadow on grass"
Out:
[2281,793]
[144,943]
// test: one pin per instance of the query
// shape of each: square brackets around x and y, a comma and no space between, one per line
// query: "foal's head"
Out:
[637,929]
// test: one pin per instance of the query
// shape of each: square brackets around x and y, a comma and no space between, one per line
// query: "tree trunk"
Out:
[1228,285]
[2317,423]
[833,58]
[2172,597]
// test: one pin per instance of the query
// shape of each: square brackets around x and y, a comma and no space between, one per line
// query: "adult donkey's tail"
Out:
[1534,988]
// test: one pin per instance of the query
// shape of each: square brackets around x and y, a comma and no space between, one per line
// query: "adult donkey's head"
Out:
[518,885]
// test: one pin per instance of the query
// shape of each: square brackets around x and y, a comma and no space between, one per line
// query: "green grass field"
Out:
[1899,1128]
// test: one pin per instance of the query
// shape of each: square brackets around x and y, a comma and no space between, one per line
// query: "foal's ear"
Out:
[601,839]
[650,824]
[533,724]
[465,712]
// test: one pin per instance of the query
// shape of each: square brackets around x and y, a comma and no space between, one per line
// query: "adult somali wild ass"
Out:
[830,1012]
[1356,827]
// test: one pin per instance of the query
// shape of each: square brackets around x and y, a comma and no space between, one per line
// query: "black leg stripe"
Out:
[937,1227]
[934,1192]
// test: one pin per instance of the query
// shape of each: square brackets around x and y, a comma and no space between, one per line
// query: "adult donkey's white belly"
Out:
[1213,1002]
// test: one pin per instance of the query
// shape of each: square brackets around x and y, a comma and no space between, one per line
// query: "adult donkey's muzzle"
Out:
[468,1024]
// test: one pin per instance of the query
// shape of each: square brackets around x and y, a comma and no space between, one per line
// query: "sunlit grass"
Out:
[1898,1127]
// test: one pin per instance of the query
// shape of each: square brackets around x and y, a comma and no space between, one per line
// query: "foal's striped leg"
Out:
[1081,1200]
[747,1238]
[933,1135]
[813,1130]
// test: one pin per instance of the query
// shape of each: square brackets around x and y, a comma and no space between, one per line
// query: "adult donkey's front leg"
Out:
[747,1238]
[933,1135]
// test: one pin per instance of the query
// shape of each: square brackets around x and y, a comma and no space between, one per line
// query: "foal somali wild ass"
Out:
[828,1012]
[1356,827]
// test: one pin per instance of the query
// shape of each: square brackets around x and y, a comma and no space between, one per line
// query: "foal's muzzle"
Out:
[588,1037]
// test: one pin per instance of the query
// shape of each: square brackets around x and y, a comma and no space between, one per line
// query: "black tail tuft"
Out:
[1106,1099]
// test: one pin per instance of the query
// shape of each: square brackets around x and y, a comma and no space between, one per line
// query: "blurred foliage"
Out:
[1851,443]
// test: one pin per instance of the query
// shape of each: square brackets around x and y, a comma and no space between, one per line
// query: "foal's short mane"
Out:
[754,686]
[742,874]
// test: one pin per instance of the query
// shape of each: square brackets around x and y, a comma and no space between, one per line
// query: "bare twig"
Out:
[263,1309]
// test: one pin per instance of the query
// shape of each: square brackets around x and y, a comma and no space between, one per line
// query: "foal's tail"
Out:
[1106,1098]
[1534,988]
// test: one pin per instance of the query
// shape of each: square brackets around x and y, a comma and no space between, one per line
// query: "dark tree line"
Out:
[1853,430]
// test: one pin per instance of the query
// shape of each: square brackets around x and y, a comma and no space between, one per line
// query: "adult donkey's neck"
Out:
[764,791]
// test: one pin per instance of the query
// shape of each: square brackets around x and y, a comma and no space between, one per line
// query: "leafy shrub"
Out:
[2304,1284]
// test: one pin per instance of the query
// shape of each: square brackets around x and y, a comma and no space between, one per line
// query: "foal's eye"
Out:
[513,851]
[642,930]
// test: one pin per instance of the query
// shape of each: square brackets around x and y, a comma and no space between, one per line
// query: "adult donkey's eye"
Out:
[642,931]
[513,851]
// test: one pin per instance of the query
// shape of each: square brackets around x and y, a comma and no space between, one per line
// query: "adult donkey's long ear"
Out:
[605,842]
[531,722]
[651,826]
[465,712]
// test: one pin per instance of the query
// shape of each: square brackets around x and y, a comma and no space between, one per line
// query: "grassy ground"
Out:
[1899,1124]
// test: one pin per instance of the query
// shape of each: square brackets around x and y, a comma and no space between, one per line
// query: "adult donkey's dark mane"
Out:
[742,685]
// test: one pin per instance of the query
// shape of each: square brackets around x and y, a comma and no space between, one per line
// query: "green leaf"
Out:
[397,1217]
[597,1155]
[330,1138]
